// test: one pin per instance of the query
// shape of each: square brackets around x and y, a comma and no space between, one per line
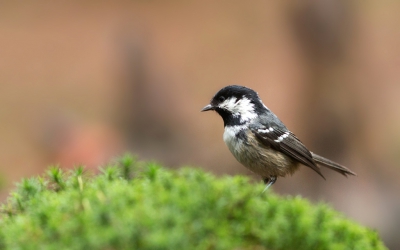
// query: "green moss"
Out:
[133,205]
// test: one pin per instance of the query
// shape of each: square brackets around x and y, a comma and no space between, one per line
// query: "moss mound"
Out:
[133,205]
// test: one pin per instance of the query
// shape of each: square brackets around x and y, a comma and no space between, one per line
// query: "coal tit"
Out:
[259,140]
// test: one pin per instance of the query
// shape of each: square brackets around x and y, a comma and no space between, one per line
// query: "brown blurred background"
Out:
[84,81]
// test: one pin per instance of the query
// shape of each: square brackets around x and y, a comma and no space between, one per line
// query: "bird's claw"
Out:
[269,181]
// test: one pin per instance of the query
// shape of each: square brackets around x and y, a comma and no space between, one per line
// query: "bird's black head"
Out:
[236,105]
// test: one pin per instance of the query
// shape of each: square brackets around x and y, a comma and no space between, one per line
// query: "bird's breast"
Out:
[234,142]
[254,155]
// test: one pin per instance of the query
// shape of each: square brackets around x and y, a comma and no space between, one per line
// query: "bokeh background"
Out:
[84,81]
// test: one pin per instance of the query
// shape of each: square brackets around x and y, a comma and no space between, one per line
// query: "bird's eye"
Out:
[221,99]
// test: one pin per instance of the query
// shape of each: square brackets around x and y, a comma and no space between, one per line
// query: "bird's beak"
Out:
[208,107]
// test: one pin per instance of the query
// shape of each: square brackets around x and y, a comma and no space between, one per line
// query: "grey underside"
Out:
[262,159]
[266,161]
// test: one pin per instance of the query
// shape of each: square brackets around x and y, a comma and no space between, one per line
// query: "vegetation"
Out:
[133,205]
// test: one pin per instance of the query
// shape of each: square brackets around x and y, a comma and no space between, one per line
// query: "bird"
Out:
[259,140]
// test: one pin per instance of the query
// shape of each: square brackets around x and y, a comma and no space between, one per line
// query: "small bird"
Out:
[259,140]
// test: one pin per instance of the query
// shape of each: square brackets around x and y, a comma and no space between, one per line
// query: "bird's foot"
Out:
[269,181]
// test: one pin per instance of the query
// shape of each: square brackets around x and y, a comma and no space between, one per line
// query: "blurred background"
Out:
[84,81]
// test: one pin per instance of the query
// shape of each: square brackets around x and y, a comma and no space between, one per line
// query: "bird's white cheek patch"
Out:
[246,110]
[229,104]
[242,108]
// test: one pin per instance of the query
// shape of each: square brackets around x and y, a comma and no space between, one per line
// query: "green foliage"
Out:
[133,205]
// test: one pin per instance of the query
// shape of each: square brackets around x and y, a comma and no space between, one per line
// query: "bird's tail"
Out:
[332,165]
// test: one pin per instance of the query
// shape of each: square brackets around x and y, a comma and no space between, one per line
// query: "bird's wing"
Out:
[286,142]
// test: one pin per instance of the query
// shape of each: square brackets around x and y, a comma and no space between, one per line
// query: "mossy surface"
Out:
[133,205]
